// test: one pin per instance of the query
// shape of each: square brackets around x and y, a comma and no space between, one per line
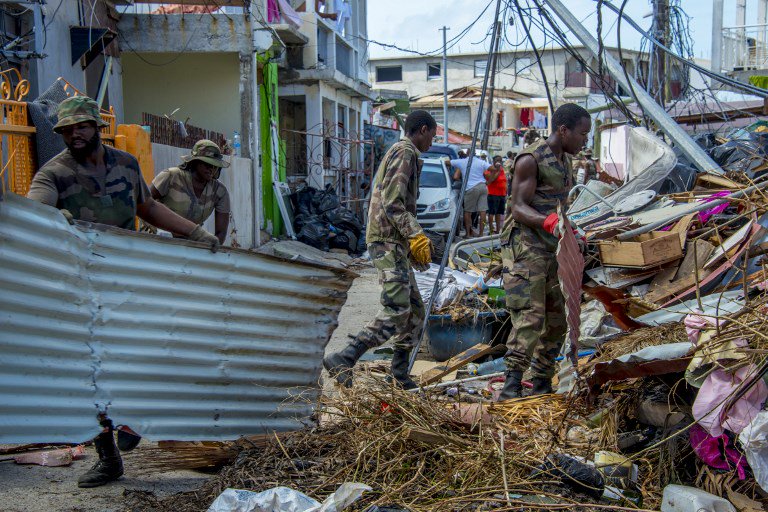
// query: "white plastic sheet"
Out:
[285,499]
[754,441]
[679,498]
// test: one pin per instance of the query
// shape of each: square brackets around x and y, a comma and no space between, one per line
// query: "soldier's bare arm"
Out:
[523,189]
[222,224]
[159,215]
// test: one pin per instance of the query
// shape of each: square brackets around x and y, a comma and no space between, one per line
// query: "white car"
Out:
[436,204]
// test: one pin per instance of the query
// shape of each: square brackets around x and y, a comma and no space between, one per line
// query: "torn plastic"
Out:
[285,499]
[709,408]
[717,451]
[580,476]
[754,442]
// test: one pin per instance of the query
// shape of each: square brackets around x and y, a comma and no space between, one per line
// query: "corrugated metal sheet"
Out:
[163,335]
[570,271]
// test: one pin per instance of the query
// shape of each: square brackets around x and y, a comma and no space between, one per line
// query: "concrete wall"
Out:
[55,44]
[238,178]
[204,87]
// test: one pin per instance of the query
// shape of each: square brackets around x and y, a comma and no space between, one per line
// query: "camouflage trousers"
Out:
[536,307]
[402,314]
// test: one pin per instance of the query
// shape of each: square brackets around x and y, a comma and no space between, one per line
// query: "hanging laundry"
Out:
[289,15]
[345,13]
[525,117]
[273,12]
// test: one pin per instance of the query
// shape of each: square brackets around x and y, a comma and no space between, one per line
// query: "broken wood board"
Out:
[454,363]
[717,181]
[673,280]
[730,245]
[682,227]
[421,367]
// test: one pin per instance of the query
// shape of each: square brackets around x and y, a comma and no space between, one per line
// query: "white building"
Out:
[518,81]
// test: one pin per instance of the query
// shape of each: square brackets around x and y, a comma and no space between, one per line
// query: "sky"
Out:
[415,24]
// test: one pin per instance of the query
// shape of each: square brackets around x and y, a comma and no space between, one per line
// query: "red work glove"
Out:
[550,224]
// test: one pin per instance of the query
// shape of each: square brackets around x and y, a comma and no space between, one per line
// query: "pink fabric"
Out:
[714,394]
[711,451]
[705,215]
[694,323]
[273,11]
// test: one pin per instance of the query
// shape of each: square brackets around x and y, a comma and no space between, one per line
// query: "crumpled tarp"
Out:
[285,499]
[709,406]
[754,442]
[656,360]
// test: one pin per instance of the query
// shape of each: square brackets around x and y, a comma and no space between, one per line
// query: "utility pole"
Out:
[659,73]
[445,84]
[495,58]
[717,37]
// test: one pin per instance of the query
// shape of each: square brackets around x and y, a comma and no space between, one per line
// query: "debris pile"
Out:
[321,222]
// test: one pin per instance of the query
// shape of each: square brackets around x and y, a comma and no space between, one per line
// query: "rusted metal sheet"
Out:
[655,360]
[161,334]
[570,270]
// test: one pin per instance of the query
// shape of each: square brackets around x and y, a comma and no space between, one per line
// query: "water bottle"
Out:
[236,143]
[495,366]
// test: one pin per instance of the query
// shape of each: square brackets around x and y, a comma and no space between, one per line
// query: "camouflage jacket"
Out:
[108,198]
[392,211]
[178,193]
[553,182]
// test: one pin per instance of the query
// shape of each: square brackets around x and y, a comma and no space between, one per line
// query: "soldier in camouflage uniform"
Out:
[92,182]
[589,166]
[193,189]
[529,241]
[396,242]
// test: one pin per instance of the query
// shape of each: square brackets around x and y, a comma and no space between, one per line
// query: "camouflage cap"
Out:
[206,151]
[76,110]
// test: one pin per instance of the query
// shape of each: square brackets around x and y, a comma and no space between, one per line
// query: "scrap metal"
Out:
[161,334]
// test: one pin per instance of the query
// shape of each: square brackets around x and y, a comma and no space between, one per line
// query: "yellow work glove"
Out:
[421,249]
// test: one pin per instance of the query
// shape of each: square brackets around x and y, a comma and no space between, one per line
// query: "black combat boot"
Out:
[110,465]
[513,386]
[400,361]
[339,364]
[541,386]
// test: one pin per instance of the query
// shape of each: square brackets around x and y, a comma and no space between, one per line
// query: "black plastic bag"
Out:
[325,200]
[302,201]
[315,232]
[343,218]
[577,475]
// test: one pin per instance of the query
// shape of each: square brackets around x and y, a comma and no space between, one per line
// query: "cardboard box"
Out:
[645,250]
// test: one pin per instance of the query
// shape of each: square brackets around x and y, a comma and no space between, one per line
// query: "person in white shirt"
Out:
[476,195]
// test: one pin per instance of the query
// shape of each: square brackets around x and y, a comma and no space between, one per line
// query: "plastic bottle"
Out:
[495,366]
[236,143]
[472,369]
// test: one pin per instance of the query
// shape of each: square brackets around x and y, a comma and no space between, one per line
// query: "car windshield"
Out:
[432,176]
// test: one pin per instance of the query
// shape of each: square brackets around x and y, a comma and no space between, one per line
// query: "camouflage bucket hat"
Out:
[206,151]
[76,110]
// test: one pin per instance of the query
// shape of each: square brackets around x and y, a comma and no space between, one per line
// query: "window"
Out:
[480,66]
[433,71]
[575,74]
[522,66]
[389,73]
[432,176]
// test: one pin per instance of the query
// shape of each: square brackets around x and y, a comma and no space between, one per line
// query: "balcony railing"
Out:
[745,47]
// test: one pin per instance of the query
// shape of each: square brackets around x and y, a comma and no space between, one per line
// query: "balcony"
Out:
[745,48]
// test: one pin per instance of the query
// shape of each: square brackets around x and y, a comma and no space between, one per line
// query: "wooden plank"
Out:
[688,267]
[420,367]
[455,363]
[13,128]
